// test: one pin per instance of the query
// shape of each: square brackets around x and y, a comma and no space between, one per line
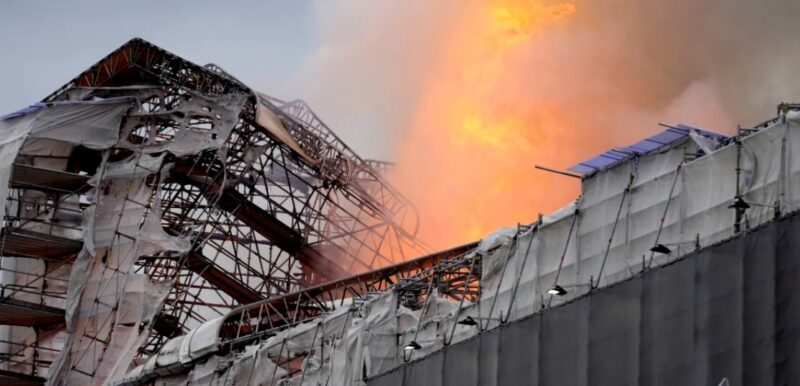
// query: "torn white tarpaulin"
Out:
[508,284]
[206,373]
[201,122]
[169,354]
[496,264]
[136,166]
[496,239]
[138,308]
[253,367]
[347,360]
[379,333]
[430,336]
[109,308]
[296,340]
[94,124]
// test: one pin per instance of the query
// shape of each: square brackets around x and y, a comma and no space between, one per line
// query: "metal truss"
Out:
[449,270]
[454,273]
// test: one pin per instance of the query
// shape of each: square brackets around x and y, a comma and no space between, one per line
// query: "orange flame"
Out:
[467,161]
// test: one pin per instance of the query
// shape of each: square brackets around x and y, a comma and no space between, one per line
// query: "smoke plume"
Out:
[467,96]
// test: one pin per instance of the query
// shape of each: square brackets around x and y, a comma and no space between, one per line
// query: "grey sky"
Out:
[44,44]
[363,65]
[355,62]
[47,43]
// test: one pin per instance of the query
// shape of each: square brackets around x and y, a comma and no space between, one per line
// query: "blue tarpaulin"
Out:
[647,145]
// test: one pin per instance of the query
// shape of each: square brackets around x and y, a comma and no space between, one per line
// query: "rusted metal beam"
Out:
[25,243]
[358,283]
[310,302]
[265,224]
[14,312]
[199,264]
[31,177]
[10,378]
[279,233]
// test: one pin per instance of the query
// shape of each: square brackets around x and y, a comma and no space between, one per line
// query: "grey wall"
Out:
[731,310]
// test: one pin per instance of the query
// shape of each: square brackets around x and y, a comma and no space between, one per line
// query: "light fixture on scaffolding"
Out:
[413,345]
[557,290]
[561,289]
[665,247]
[470,321]
[661,248]
[739,204]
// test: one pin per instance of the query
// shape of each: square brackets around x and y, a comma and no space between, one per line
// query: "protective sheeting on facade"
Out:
[106,300]
[46,131]
[639,213]
[729,311]
[108,307]
[94,124]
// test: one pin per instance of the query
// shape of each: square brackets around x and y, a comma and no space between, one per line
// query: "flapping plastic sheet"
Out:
[436,323]
[106,301]
[93,124]
[268,120]
[252,367]
[379,333]
[13,132]
[347,358]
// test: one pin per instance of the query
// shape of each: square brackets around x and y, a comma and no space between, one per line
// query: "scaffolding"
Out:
[150,195]
[644,207]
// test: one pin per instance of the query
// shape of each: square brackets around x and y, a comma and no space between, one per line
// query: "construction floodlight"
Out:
[557,290]
[468,321]
[661,248]
[739,203]
[412,346]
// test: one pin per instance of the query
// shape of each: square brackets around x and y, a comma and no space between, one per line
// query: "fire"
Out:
[516,22]
[467,162]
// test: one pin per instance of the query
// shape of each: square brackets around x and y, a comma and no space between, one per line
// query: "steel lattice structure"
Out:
[267,216]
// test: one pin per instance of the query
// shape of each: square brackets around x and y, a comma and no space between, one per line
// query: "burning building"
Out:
[167,225]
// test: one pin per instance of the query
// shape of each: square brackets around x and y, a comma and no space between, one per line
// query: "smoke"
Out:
[467,96]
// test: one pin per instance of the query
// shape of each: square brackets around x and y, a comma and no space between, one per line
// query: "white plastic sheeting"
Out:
[337,349]
[94,124]
[697,213]
[253,367]
[203,122]
[106,301]
[47,133]
[433,326]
